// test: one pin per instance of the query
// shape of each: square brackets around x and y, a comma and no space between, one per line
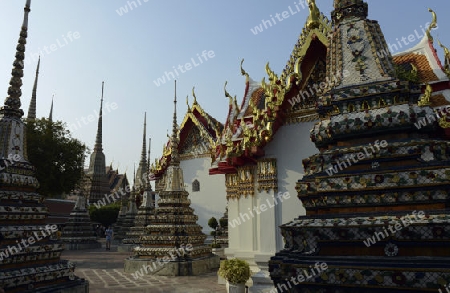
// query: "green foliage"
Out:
[212,233]
[57,156]
[213,223]
[105,215]
[223,223]
[235,270]
[404,74]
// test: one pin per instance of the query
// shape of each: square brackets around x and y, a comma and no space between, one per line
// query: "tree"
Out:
[213,224]
[58,158]
[105,215]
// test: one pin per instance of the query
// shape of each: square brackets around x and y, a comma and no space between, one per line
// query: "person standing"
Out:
[109,234]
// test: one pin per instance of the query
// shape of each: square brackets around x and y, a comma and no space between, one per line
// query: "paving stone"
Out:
[104,271]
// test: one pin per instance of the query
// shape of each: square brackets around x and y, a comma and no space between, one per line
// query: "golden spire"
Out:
[12,102]
[432,25]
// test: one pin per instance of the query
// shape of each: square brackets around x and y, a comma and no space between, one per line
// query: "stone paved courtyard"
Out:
[104,271]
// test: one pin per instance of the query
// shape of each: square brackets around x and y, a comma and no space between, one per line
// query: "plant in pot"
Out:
[236,272]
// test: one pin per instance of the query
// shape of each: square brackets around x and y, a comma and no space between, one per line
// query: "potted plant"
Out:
[236,272]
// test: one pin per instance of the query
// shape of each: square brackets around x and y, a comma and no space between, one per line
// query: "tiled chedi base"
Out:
[409,260]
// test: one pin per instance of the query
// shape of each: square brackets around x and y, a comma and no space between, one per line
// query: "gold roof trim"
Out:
[321,29]
[447,59]
[432,25]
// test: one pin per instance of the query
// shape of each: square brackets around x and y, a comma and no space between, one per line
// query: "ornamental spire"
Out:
[12,102]
[149,146]
[32,108]
[175,160]
[98,140]
[148,159]
[144,141]
[50,115]
[143,167]
[349,8]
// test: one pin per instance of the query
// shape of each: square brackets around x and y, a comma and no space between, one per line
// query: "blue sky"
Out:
[92,43]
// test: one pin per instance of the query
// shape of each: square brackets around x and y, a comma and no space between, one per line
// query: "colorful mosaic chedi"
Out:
[173,223]
[357,200]
[29,255]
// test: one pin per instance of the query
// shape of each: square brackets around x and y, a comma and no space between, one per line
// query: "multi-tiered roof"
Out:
[197,134]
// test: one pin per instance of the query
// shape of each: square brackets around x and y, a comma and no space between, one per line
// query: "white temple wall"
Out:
[290,146]
[211,200]
[260,238]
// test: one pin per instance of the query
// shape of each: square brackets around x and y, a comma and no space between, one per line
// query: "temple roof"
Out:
[116,180]
[197,118]
[264,107]
[424,57]
[267,106]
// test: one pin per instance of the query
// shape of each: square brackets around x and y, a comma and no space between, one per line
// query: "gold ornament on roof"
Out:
[195,97]
[447,59]
[425,99]
[236,106]
[227,94]
[314,15]
[272,75]
[187,103]
[432,25]
[243,72]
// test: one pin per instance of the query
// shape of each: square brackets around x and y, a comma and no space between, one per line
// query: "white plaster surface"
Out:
[211,200]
